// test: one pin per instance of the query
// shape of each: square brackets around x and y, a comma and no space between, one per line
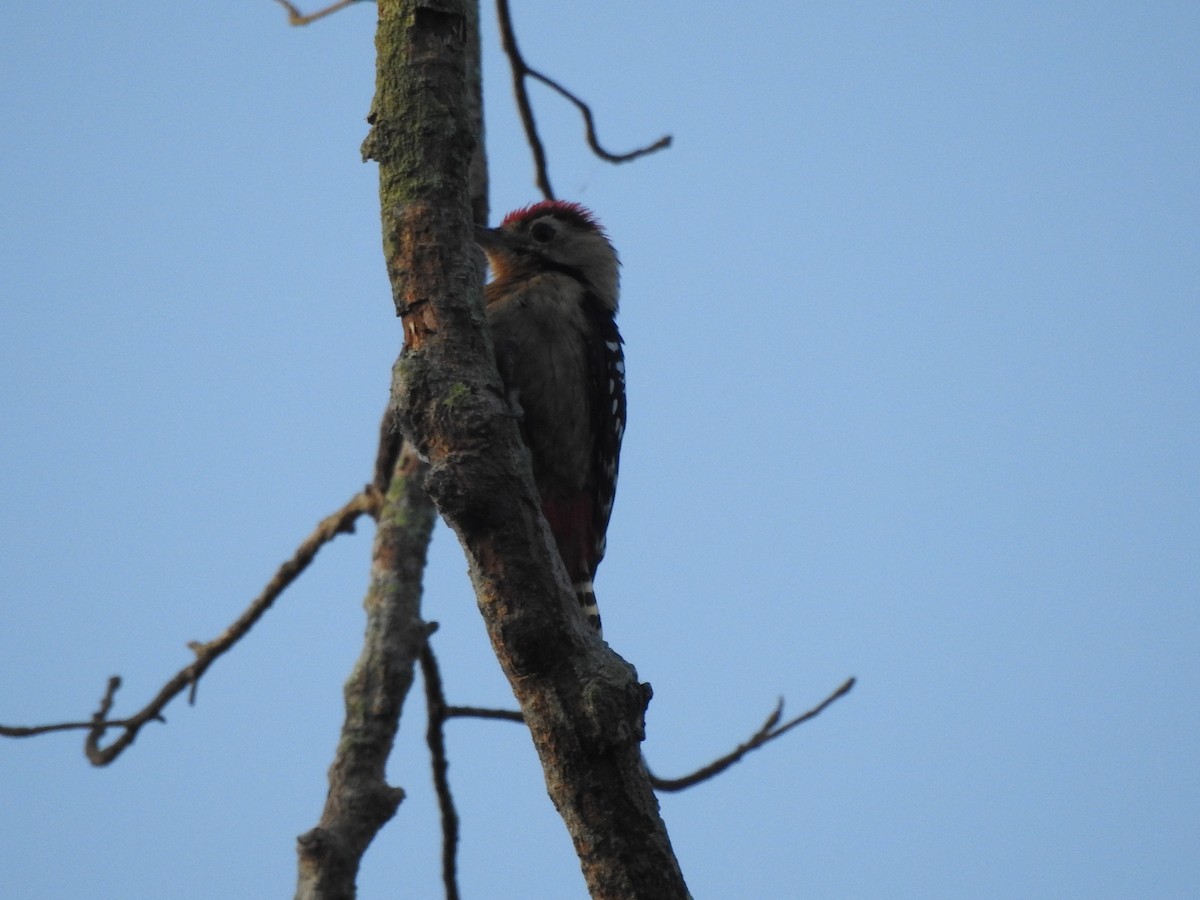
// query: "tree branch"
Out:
[508,40]
[590,125]
[360,801]
[521,70]
[341,522]
[295,17]
[435,702]
[427,63]
[105,705]
[583,704]
[770,730]
[482,712]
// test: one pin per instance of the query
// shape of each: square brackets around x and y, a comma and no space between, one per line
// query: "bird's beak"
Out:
[491,239]
[501,249]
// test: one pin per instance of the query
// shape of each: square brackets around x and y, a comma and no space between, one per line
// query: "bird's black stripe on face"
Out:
[550,265]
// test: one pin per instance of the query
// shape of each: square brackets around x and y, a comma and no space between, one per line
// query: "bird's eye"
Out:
[541,232]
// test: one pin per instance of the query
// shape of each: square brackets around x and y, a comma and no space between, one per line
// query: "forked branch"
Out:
[341,522]
[520,71]
[770,730]
[439,711]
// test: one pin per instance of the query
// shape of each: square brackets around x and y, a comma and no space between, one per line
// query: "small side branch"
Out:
[187,678]
[105,705]
[521,70]
[508,40]
[295,17]
[482,712]
[435,737]
[770,730]
[589,123]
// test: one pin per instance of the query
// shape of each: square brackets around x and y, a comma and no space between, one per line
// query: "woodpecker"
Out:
[552,305]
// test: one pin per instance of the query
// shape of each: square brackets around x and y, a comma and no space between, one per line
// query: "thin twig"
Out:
[770,730]
[98,718]
[508,40]
[521,70]
[480,712]
[34,730]
[435,700]
[590,125]
[295,17]
[341,522]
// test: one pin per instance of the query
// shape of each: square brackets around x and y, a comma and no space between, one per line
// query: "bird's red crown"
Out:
[564,209]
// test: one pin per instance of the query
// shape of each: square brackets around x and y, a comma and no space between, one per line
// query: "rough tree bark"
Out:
[360,801]
[583,704]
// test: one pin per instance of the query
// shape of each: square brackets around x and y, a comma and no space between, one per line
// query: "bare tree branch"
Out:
[295,17]
[435,701]
[440,711]
[341,522]
[508,40]
[521,70]
[105,705]
[427,69]
[360,801]
[481,712]
[590,125]
[770,730]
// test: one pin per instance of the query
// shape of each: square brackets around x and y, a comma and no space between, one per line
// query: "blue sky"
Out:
[912,311]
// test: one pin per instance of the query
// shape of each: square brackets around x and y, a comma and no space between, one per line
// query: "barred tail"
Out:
[587,603]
